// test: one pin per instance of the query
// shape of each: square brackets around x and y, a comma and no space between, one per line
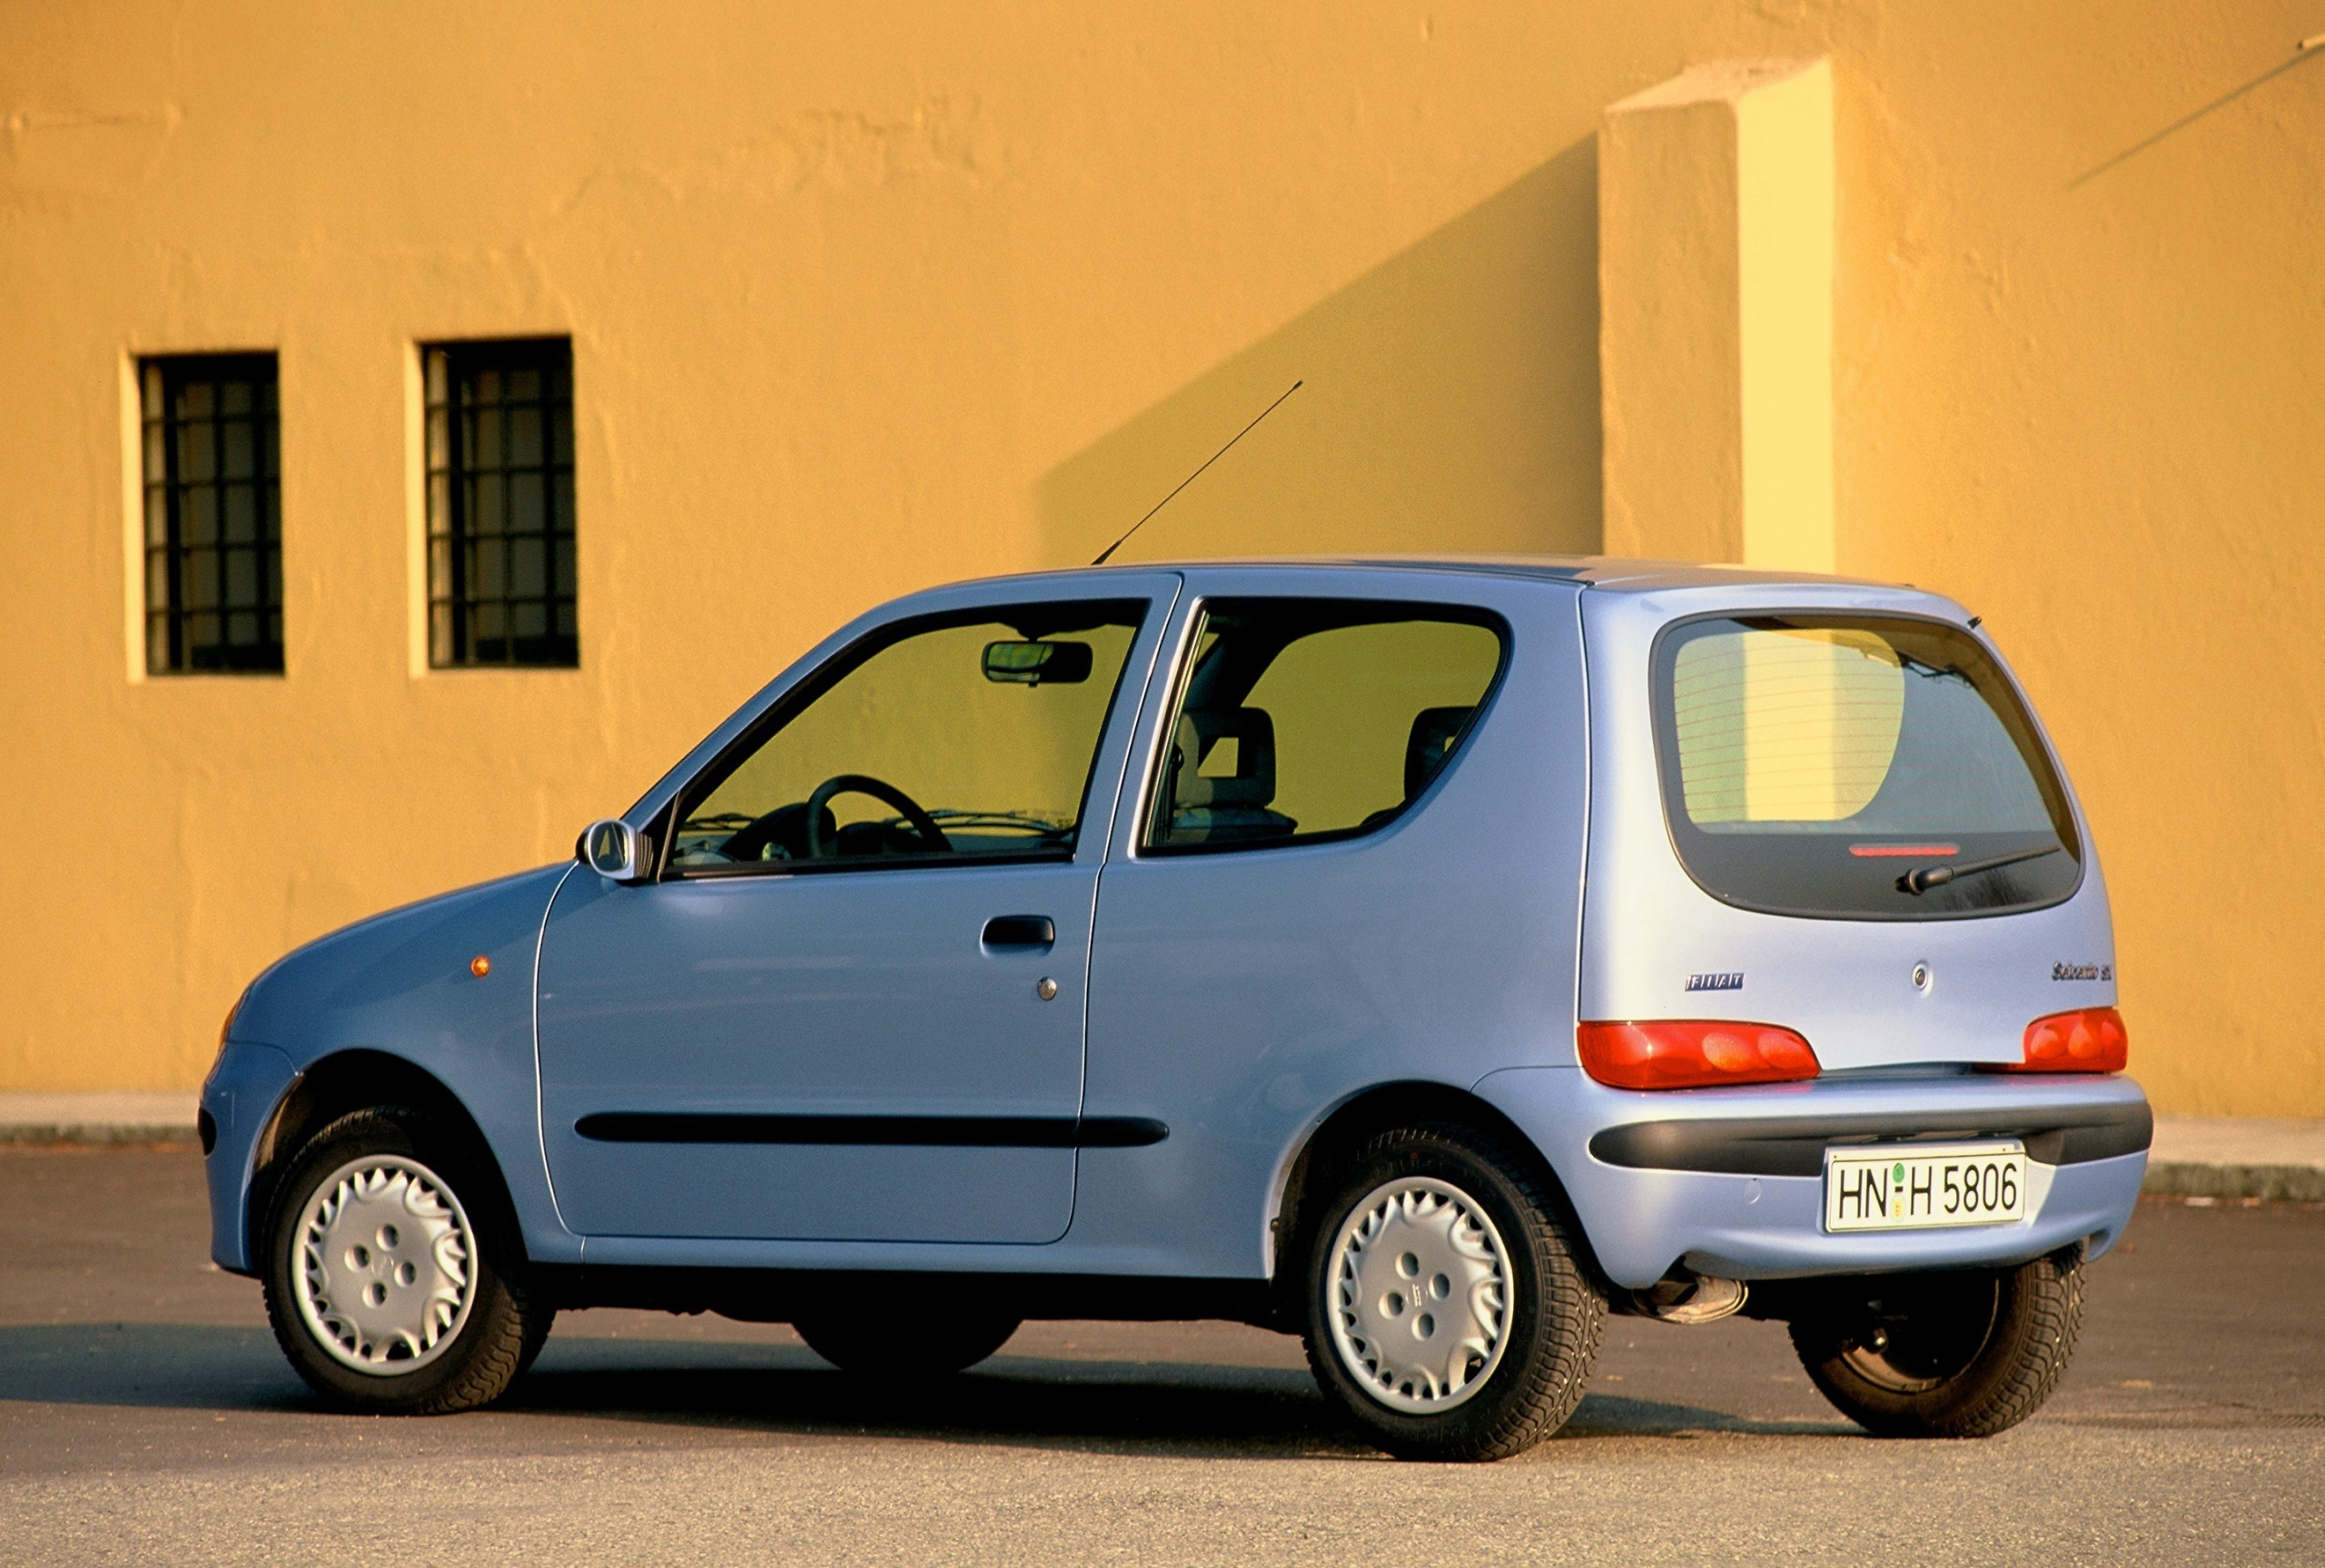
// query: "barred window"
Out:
[500,577]
[213,514]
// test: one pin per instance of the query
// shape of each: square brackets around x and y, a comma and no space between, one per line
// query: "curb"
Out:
[107,1118]
[97,1132]
[2261,1183]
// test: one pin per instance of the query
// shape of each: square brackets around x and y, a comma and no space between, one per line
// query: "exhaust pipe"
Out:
[1689,1299]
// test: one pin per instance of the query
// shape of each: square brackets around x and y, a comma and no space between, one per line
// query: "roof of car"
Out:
[1616,573]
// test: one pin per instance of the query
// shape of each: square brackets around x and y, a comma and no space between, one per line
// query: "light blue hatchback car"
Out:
[1425,957]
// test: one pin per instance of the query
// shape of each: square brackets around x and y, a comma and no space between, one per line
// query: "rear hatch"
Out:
[1828,807]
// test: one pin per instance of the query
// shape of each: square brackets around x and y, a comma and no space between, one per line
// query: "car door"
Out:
[1356,862]
[849,1007]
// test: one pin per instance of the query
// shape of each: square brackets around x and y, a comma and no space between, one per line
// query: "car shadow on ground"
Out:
[154,1365]
[1131,1407]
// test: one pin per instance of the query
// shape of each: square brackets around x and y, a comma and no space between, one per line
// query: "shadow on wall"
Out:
[1451,403]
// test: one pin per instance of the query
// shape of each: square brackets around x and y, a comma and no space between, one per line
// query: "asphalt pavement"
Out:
[147,1417]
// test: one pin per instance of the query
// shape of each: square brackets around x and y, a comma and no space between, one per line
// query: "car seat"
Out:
[1216,808]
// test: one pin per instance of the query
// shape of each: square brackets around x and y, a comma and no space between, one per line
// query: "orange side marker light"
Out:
[479,966]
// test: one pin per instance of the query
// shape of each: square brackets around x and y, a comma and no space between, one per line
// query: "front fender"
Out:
[405,984]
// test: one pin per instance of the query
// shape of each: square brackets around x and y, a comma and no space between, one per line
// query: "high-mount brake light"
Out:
[1683,1053]
[2088,1039]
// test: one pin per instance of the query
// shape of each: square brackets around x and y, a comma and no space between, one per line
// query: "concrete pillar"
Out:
[1715,315]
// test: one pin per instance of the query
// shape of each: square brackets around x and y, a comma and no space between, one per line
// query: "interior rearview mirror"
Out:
[612,848]
[1037,664]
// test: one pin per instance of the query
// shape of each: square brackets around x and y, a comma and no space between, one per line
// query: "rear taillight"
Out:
[2088,1039]
[1690,1054]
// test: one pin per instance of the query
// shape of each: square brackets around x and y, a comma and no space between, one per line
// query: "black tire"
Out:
[498,1328]
[896,1347]
[1549,1316]
[1964,1354]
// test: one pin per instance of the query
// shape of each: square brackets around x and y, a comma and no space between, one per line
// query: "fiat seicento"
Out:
[1425,957]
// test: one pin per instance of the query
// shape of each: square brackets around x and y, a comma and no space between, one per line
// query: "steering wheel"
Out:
[924,826]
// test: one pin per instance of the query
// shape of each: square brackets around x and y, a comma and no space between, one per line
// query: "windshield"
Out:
[1856,767]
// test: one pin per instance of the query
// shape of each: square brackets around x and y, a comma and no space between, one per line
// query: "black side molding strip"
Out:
[1794,1145]
[899,1132]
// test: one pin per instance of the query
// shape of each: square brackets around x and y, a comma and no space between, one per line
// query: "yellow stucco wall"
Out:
[865,297]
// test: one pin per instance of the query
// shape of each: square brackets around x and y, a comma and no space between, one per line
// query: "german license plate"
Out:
[1921,1185]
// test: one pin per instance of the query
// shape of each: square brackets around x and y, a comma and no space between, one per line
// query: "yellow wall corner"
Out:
[1716,224]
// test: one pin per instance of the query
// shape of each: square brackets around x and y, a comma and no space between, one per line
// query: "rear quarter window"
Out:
[1856,767]
[1302,720]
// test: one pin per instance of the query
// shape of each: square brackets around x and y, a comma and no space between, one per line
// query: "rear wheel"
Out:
[1447,1313]
[895,1347]
[391,1276]
[1946,1355]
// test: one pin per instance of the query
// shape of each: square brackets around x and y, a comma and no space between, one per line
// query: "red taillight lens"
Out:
[2088,1039]
[1687,1054]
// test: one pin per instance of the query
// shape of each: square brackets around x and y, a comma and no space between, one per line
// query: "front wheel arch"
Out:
[362,1080]
[1341,1137]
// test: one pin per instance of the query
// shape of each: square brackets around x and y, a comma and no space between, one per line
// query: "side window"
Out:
[1305,719]
[937,742]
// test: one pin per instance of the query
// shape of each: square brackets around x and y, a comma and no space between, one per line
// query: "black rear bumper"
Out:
[1795,1145]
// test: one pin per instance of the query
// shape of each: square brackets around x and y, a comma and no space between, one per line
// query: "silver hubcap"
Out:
[1419,1296]
[383,1275]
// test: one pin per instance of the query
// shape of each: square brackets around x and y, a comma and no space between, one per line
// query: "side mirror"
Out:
[612,849]
[1034,663]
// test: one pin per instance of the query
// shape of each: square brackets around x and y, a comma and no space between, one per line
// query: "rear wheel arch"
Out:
[361,1080]
[1340,1137]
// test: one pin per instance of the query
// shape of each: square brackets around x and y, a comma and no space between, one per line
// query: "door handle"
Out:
[1020,931]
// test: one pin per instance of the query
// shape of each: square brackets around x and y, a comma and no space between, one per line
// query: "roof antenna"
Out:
[1191,479]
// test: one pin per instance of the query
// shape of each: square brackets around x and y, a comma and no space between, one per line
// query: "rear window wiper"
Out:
[1921,879]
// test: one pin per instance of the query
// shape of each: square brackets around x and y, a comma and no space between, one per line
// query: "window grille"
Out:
[213,514]
[500,574]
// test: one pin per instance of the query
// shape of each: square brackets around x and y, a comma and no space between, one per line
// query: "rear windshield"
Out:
[1858,766]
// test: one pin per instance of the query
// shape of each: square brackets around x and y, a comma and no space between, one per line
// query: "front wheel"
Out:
[390,1280]
[1447,1312]
[1946,1355]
